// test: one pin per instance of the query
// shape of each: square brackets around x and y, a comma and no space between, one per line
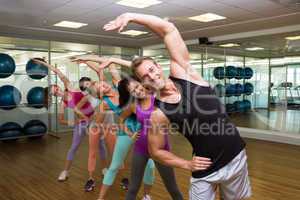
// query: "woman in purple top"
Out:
[143,116]
[143,108]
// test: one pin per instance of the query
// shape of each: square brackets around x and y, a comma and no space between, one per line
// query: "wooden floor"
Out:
[29,168]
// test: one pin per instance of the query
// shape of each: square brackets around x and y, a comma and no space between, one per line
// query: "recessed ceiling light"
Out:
[293,37]
[254,48]
[138,3]
[133,32]
[208,17]
[230,45]
[69,24]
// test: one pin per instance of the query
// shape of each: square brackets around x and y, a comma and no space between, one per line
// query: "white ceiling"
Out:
[34,18]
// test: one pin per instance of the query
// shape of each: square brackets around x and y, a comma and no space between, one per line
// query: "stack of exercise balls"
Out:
[13,130]
[234,89]
[10,98]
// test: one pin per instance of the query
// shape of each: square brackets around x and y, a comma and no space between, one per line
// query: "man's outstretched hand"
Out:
[119,23]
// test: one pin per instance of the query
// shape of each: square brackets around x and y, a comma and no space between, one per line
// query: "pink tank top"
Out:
[75,97]
[143,116]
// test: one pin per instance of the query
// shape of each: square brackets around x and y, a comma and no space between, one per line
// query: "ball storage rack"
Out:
[233,97]
[24,105]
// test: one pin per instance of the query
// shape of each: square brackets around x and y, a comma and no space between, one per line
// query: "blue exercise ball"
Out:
[35,70]
[230,89]
[230,108]
[10,130]
[10,97]
[239,89]
[7,65]
[35,127]
[35,97]
[248,73]
[240,73]
[239,106]
[219,72]
[247,105]
[220,90]
[230,72]
[248,88]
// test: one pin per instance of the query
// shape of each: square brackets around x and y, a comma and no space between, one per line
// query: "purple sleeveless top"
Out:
[143,116]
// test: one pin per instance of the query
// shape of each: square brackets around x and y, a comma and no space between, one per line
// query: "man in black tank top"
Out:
[186,103]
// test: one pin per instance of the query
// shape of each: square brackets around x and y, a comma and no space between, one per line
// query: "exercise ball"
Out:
[230,89]
[248,88]
[35,127]
[35,70]
[238,89]
[248,73]
[10,97]
[7,65]
[219,72]
[230,72]
[10,130]
[239,106]
[230,108]
[247,105]
[35,97]
[240,73]
[220,90]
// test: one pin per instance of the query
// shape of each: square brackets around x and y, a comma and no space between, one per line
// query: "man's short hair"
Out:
[137,61]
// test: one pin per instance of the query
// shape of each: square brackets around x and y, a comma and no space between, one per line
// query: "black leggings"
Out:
[137,172]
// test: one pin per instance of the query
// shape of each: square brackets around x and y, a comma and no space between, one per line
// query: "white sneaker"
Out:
[63,175]
[147,197]
[104,170]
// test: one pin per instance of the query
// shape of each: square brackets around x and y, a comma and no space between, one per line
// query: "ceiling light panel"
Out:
[208,17]
[138,3]
[254,48]
[69,24]
[229,45]
[133,32]
[293,37]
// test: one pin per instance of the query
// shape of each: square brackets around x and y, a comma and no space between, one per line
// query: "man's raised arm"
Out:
[178,51]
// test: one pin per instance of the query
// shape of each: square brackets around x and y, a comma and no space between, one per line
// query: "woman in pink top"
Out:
[70,98]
